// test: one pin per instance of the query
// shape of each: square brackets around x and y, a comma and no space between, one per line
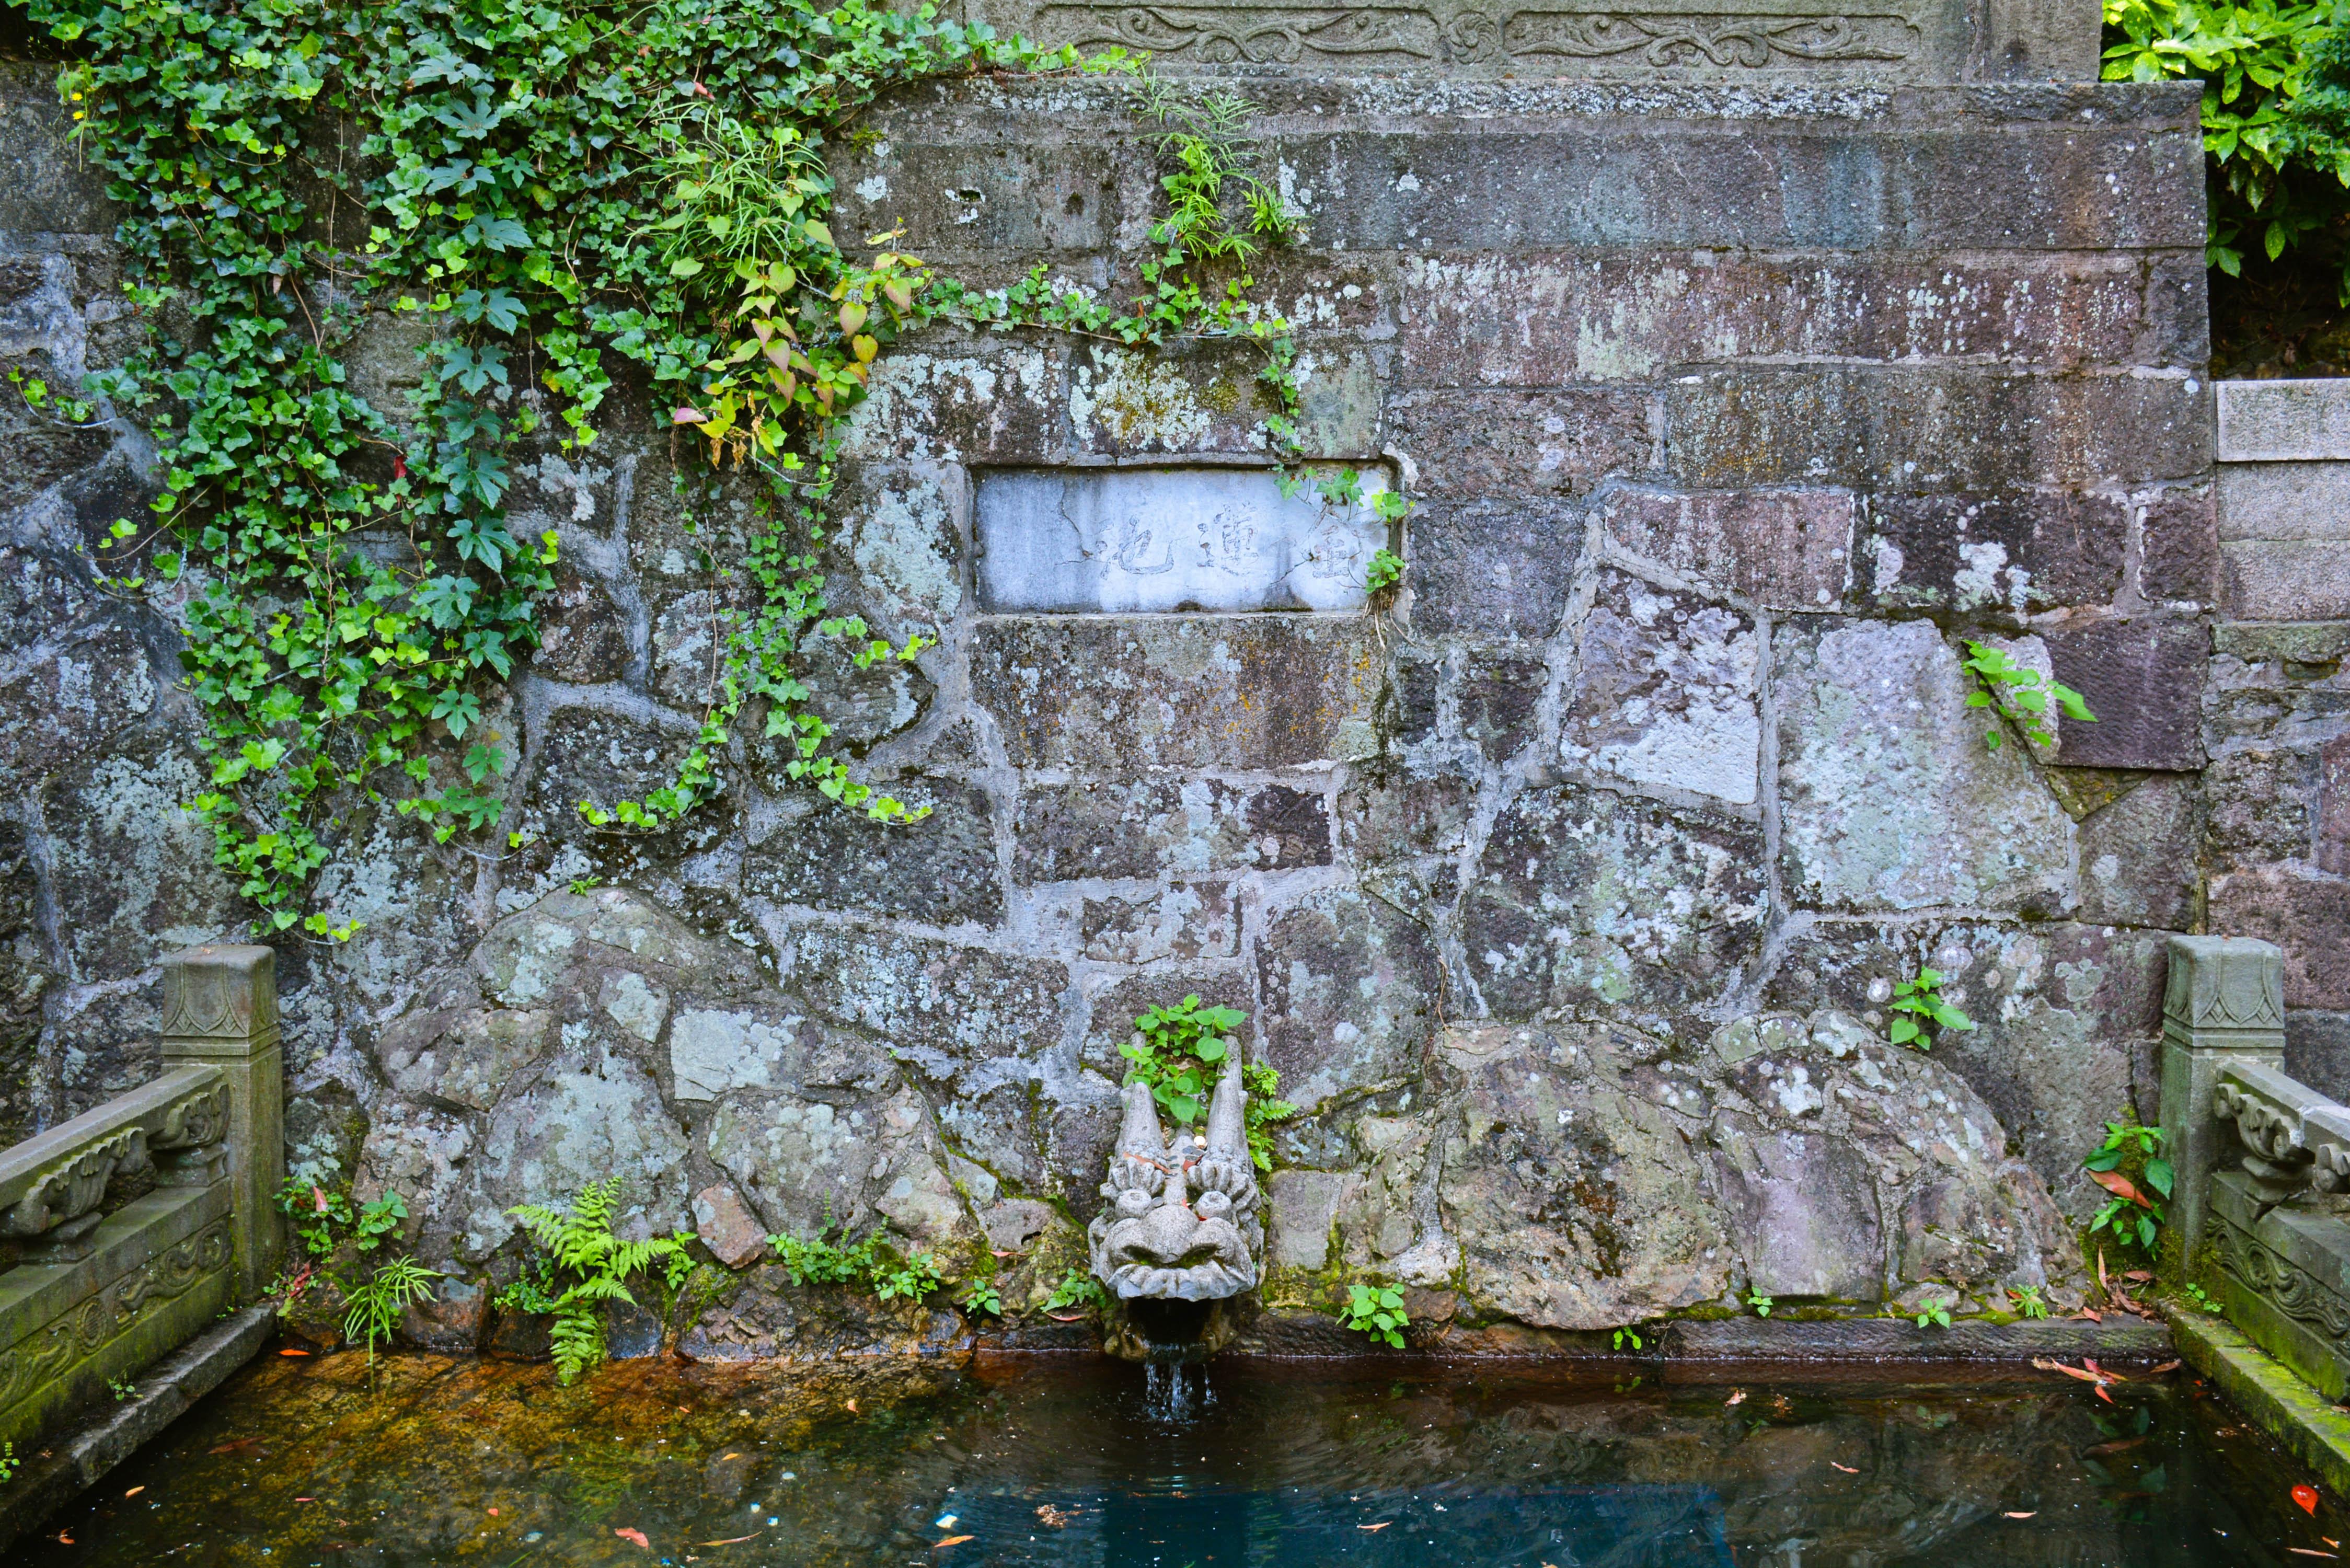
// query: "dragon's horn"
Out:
[1228,1114]
[1141,1137]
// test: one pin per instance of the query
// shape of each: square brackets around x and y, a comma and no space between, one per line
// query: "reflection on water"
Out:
[1078,1460]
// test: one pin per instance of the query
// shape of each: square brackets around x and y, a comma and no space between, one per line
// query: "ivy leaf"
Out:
[500,308]
[496,234]
[458,708]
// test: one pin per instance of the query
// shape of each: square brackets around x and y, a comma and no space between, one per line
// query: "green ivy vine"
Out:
[545,185]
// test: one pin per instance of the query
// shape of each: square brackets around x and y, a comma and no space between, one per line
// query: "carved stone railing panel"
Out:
[105,1287]
[2280,1123]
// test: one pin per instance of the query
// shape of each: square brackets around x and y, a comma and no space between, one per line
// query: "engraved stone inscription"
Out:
[1143,541]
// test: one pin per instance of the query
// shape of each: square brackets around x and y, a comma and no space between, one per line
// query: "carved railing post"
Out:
[219,1010]
[2224,1005]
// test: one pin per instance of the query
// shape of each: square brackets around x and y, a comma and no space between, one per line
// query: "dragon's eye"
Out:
[1212,1205]
[1133,1203]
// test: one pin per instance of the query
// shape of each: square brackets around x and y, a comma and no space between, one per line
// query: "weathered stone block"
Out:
[1479,444]
[1493,568]
[944,397]
[1027,197]
[1889,799]
[942,869]
[894,528]
[1497,697]
[2284,579]
[1185,920]
[1592,904]
[1807,1212]
[2283,500]
[1783,549]
[1144,827]
[2304,915]
[2141,856]
[47,190]
[2180,557]
[1664,696]
[2334,807]
[2144,680]
[731,1232]
[464,1062]
[583,633]
[1389,812]
[1246,691]
[2283,422]
[1944,430]
[1547,317]
[1194,398]
[948,1009]
[2260,806]
[1349,986]
[2024,552]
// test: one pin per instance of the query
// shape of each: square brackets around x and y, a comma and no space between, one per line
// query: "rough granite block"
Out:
[2283,421]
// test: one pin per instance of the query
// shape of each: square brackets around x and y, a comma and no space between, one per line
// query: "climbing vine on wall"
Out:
[548,189]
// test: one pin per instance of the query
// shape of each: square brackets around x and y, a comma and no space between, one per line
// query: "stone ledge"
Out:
[168,1390]
[2272,1397]
[1741,1340]
[2302,642]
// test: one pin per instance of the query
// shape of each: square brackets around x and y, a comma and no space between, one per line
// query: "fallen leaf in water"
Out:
[2103,1394]
[493,1513]
[293,1353]
[2119,1446]
[1737,1396]
[954,1541]
[64,1539]
[2034,1514]
[1066,1317]
[1368,1528]
[634,1538]
[730,1540]
[2311,1552]
[1053,1518]
[2329,1540]
[134,1492]
[736,1455]
[2306,1495]
[852,1408]
[235,1443]
[2165,1366]
[306,1500]
[1846,1468]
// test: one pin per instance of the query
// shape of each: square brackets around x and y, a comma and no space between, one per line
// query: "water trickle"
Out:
[1175,1392]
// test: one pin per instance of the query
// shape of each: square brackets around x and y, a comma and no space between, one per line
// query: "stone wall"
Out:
[1566,897]
[2276,718]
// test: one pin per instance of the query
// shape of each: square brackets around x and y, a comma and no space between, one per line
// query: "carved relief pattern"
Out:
[50,1351]
[2288,1289]
[2235,985]
[1276,35]
[2269,1130]
[74,1185]
[193,1121]
[1665,38]
[217,1002]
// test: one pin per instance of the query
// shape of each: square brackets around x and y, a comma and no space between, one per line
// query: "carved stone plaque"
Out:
[1143,541]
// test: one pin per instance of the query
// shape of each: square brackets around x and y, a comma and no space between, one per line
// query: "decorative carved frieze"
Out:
[1443,35]
[2284,1286]
[73,1186]
[52,1349]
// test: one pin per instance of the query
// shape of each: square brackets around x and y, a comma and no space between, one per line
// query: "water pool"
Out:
[1069,1460]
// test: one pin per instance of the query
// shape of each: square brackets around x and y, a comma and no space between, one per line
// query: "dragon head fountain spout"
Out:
[1183,1222]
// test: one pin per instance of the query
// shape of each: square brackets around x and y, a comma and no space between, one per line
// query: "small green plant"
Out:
[121,1388]
[1385,573]
[7,1463]
[1921,999]
[2130,1213]
[913,1280]
[1178,1051]
[1934,1314]
[870,1263]
[2201,1299]
[371,1310]
[1079,1288]
[584,884]
[981,1296]
[41,400]
[2027,1300]
[1760,1303]
[1630,1336]
[2020,694]
[592,1266]
[1375,1310]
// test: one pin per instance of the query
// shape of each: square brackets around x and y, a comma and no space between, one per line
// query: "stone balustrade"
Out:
[2261,1204]
[111,1279]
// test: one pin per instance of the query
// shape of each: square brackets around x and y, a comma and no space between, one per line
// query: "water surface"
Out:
[1059,1461]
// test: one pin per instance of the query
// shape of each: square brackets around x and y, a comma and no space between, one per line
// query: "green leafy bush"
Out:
[586,1268]
[2274,112]
[872,1262]
[2020,694]
[1375,1310]
[371,1309]
[1180,1051]
[1079,1288]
